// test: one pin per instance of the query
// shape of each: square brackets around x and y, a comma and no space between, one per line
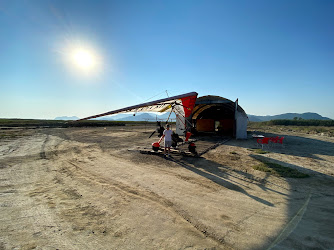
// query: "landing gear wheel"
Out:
[192,148]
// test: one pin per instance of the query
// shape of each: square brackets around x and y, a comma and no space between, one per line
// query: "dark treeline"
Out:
[56,123]
[301,122]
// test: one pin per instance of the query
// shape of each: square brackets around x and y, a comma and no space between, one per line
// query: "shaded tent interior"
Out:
[219,115]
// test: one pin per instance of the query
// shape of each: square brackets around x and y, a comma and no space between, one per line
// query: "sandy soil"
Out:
[89,188]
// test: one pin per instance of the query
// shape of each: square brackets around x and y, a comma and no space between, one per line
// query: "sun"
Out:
[83,59]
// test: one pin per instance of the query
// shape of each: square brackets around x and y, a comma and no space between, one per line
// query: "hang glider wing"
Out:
[180,104]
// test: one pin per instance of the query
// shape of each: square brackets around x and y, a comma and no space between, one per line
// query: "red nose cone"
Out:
[188,134]
[156,144]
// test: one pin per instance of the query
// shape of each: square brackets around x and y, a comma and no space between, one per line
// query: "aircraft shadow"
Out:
[214,172]
[309,200]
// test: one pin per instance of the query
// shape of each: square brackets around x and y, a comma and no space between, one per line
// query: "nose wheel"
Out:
[192,147]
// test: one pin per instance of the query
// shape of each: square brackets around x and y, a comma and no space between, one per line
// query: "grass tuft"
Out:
[258,150]
[279,170]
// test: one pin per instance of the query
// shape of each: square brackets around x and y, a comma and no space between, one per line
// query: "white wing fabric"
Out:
[181,104]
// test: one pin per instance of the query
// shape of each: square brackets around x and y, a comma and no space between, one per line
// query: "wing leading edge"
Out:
[180,104]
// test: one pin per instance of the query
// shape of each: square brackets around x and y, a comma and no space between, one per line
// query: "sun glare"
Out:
[83,59]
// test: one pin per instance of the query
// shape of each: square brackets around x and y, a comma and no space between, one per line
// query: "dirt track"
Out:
[82,188]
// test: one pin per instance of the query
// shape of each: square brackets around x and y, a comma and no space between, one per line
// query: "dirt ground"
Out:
[90,188]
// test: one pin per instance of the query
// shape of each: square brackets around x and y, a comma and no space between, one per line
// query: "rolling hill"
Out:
[289,116]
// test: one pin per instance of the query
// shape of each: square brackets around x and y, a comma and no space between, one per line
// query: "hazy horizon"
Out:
[129,114]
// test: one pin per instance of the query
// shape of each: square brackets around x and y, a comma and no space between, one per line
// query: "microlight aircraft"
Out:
[181,105]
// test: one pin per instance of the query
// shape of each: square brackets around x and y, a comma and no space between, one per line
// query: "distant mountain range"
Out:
[128,117]
[67,118]
[163,117]
[139,117]
[289,116]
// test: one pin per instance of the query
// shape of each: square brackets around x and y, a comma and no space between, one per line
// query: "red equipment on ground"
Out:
[265,140]
[280,140]
[155,146]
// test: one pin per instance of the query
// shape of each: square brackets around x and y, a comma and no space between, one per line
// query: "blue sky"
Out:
[275,56]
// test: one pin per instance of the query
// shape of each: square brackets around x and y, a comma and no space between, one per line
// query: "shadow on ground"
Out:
[310,203]
[295,145]
[218,173]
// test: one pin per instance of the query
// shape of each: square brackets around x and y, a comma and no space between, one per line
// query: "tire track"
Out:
[192,180]
[150,197]
[42,154]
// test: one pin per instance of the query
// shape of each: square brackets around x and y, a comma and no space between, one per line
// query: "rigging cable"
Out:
[154,96]
[170,114]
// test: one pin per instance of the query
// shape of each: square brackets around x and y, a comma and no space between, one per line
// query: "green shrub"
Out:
[286,122]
